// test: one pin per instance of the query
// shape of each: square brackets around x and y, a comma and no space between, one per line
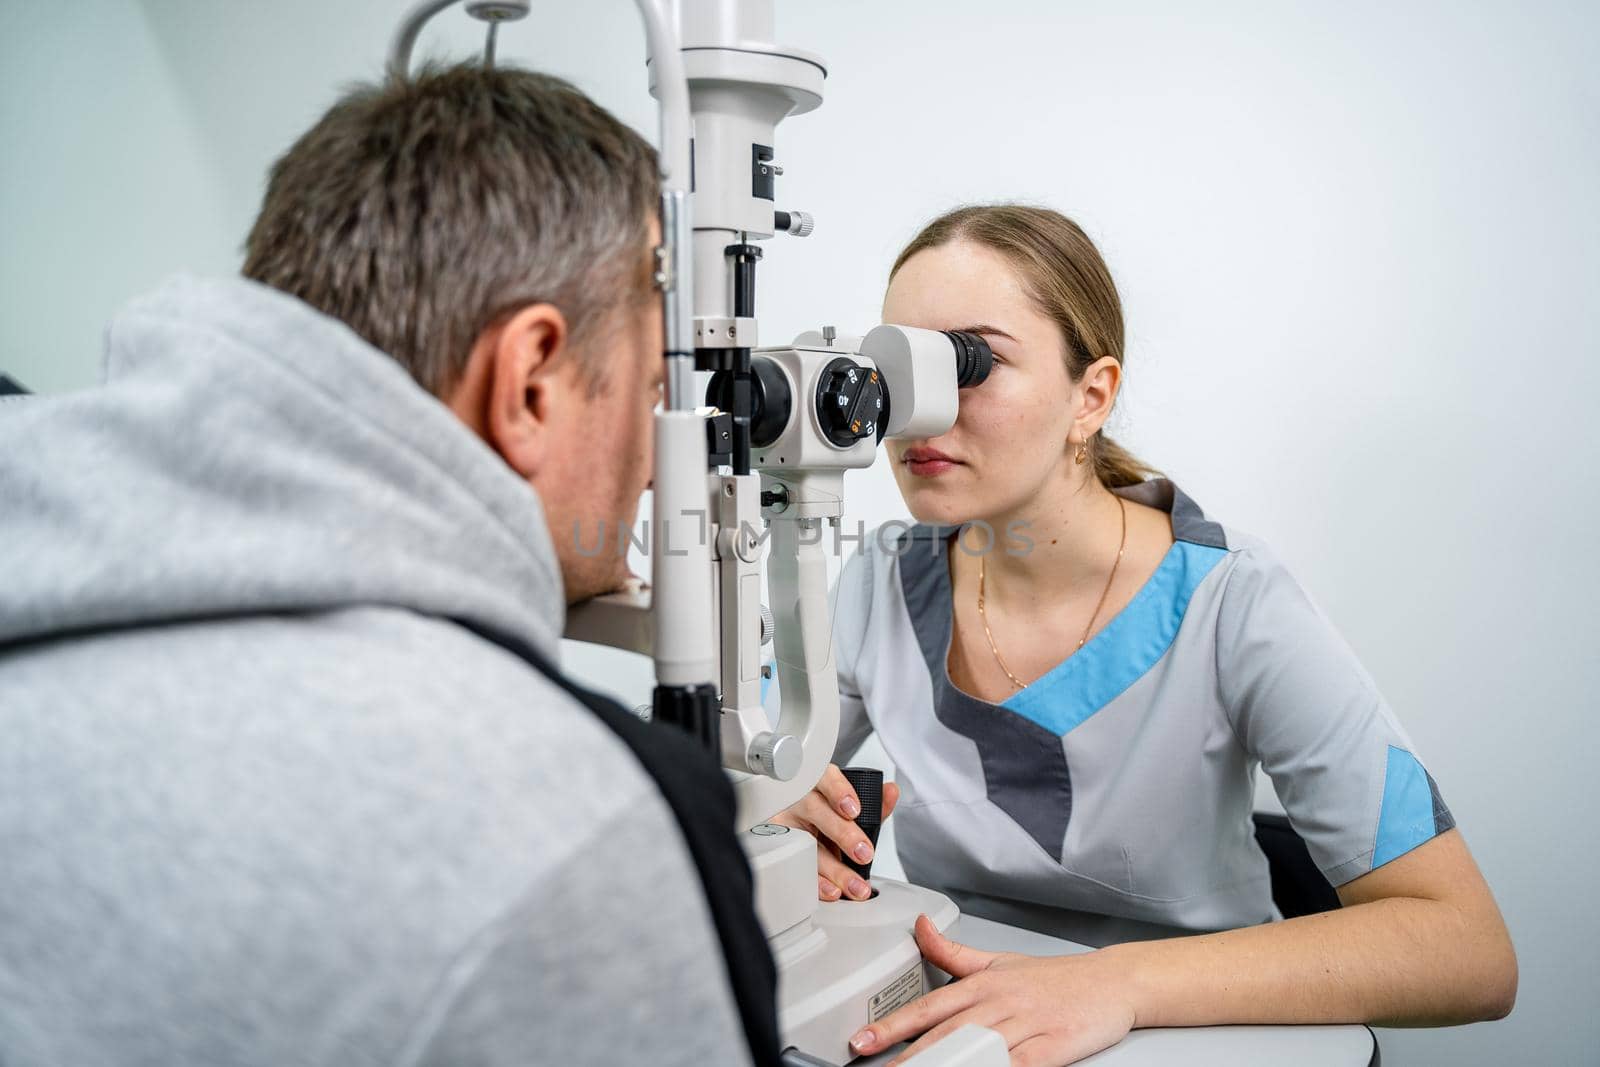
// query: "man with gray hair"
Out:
[288,775]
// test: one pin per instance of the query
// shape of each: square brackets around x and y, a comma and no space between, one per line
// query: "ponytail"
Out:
[1115,466]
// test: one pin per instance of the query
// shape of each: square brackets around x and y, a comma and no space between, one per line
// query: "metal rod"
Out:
[680,349]
[405,38]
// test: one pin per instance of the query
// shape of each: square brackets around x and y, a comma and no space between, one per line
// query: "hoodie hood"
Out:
[248,454]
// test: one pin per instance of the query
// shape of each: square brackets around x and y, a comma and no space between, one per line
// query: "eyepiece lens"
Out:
[974,358]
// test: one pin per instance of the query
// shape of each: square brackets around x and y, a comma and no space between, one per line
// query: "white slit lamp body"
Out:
[724,86]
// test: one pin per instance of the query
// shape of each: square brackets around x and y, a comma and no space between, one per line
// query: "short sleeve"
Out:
[1349,778]
[851,601]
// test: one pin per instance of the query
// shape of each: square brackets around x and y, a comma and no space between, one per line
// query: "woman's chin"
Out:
[937,505]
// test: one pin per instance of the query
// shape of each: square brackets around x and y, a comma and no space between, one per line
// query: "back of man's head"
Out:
[421,211]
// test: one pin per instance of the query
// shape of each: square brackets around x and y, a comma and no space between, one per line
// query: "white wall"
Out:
[1357,245]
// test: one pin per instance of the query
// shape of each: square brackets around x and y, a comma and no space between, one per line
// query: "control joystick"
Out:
[868,784]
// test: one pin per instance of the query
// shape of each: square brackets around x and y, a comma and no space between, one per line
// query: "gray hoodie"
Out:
[261,802]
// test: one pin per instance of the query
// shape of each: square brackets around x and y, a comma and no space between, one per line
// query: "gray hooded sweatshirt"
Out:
[261,801]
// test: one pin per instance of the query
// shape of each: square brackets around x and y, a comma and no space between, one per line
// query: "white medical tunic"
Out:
[1121,783]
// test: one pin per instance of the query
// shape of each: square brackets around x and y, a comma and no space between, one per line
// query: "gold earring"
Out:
[1083,452]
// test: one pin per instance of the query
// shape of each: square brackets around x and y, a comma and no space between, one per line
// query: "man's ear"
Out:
[529,364]
[1097,392]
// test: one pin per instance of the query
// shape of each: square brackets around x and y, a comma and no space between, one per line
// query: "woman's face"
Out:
[1010,437]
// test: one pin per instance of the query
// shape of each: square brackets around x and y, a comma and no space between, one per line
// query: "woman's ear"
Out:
[1095,394]
[527,380]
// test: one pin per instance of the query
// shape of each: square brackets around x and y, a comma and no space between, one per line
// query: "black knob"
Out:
[719,441]
[770,400]
[868,784]
[694,709]
[851,403]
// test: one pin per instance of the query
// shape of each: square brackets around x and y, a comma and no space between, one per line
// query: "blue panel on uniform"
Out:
[1406,818]
[1119,655]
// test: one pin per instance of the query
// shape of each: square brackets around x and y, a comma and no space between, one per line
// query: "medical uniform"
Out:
[1121,783]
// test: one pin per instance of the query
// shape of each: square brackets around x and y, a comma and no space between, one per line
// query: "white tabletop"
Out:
[1209,1046]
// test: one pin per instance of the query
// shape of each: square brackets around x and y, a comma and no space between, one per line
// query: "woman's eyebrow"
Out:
[981,328]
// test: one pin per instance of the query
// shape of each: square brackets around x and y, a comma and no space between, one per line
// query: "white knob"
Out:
[776,756]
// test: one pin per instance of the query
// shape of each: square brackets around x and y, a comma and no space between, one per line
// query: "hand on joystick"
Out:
[834,814]
[868,785]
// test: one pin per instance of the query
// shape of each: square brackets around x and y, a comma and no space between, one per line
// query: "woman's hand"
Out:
[828,813]
[1051,1010]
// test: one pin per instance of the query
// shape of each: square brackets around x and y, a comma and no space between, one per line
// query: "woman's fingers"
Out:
[846,881]
[951,957]
[979,1015]
[841,796]
[786,817]
[836,788]
[834,879]
[842,833]
[828,813]
[1037,1051]
[921,1015]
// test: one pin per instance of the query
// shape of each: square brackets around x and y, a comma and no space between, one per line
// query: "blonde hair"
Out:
[1068,281]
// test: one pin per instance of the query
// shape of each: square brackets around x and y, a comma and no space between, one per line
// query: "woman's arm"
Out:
[1419,941]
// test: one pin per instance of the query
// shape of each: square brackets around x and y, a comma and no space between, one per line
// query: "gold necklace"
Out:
[1018,682]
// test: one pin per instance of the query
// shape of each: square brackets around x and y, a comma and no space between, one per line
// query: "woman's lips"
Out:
[928,462]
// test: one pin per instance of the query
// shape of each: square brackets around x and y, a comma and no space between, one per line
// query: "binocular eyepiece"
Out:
[974,357]
[852,402]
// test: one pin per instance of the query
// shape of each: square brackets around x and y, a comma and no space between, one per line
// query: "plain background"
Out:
[1357,244]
